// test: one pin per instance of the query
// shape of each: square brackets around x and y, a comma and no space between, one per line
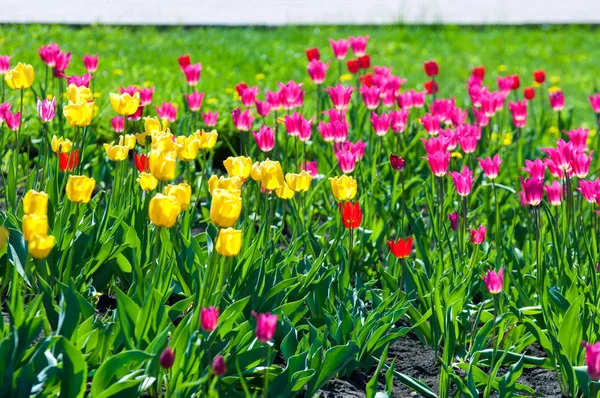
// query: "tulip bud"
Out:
[397,162]
[167,358]
[219,366]
[209,318]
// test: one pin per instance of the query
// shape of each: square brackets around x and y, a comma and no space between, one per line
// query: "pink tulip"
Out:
[438,161]
[505,84]
[326,130]
[490,166]
[588,189]
[13,120]
[380,123]
[146,96]
[398,120]
[48,54]
[468,137]
[476,92]
[561,155]
[340,48]
[435,144]
[293,124]
[46,109]
[316,70]
[249,95]
[194,100]
[4,107]
[594,100]
[346,161]
[131,90]
[488,104]
[61,63]
[262,108]
[210,118]
[90,62]
[242,120]
[494,281]
[557,100]
[405,100]
[291,94]
[478,235]
[388,98]
[359,45]
[463,181]
[578,138]
[334,115]
[137,115]
[79,81]
[450,137]
[265,138]
[118,124]
[358,148]
[481,119]
[219,366]
[192,73]
[4,64]
[554,192]
[458,117]
[168,111]
[209,319]
[340,131]
[418,98]
[454,220]
[431,124]
[340,96]
[310,167]
[553,169]
[370,97]
[305,131]
[592,360]
[518,109]
[442,108]
[273,99]
[184,61]
[535,169]
[580,164]
[533,190]
[265,326]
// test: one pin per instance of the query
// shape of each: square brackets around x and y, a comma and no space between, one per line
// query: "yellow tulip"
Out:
[78,94]
[181,192]
[271,176]
[238,166]
[147,181]
[125,104]
[163,141]
[343,188]
[229,242]
[225,208]
[35,203]
[34,224]
[79,114]
[40,246]
[163,210]
[21,77]
[154,124]
[284,192]
[231,184]
[255,172]
[141,138]
[127,140]
[299,182]
[163,164]
[80,188]
[116,153]
[61,145]
[207,139]
[4,235]
[189,147]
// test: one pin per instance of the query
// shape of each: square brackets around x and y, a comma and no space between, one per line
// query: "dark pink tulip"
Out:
[168,111]
[209,319]
[554,192]
[316,70]
[418,98]
[273,99]
[358,148]
[494,281]
[454,219]
[442,107]
[194,100]
[380,123]
[468,137]
[146,95]
[340,131]
[242,120]
[340,48]
[588,190]
[388,98]
[557,100]
[478,235]
[481,119]
[592,359]
[61,63]
[398,120]
[536,169]
[561,155]
[438,161]
[48,54]
[293,124]
[346,161]
[553,169]
[518,109]
[594,100]
[458,117]
[167,358]
[578,138]
[435,144]
[4,64]
[334,115]
[533,190]
[405,100]
[219,366]
[310,167]
[265,138]
[249,95]
[450,137]
[210,118]
[262,108]
[580,164]
[12,120]
[359,45]
[490,166]
[118,124]
[291,94]
[305,131]
[370,97]
[431,124]
[265,326]
[397,162]
[79,81]
[488,104]
[46,109]
[463,181]
[505,84]
[192,73]
[4,107]
[131,90]
[137,115]
[90,62]
[340,96]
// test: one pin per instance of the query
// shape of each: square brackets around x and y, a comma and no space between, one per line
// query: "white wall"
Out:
[278,12]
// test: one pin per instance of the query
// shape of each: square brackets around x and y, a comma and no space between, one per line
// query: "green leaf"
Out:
[335,359]
[114,369]
[74,371]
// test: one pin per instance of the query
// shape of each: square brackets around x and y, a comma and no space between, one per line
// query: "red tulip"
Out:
[364,62]
[479,72]
[141,162]
[353,65]
[431,68]
[401,248]
[516,83]
[397,162]
[431,87]
[313,53]
[539,76]
[351,215]
[529,93]
[367,79]
[68,161]
[240,87]
[184,61]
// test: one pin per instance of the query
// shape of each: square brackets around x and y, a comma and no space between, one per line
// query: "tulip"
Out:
[262,108]
[189,147]
[539,76]
[46,109]
[147,182]
[181,192]
[265,326]
[284,192]
[291,94]
[293,123]
[397,162]
[580,164]
[20,77]
[48,54]
[79,188]
[271,176]
[163,164]
[561,155]
[249,95]
[273,98]
[533,190]
[229,242]
[61,63]
[340,96]
[518,109]
[90,62]
[265,138]
[13,120]
[454,220]
[78,94]
[364,62]
[463,181]
[592,360]
[194,101]
[431,68]
[192,73]
[146,96]
[118,124]
[60,145]
[554,192]
[359,44]
[431,123]
[209,319]
[4,64]
[438,161]
[588,189]
[231,184]
[207,139]
[343,188]
[479,72]
[305,130]
[242,120]
[128,141]
[238,166]
[535,169]
[219,366]
[398,120]
[184,61]
[141,162]
[490,166]
[225,208]
[40,246]
[381,123]
[299,182]
[370,97]
[310,167]
[79,114]
[339,48]
[351,215]
[431,87]
[401,248]
[346,161]
[68,161]
[557,100]
[167,358]
[210,118]
[353,66]
[579,138]
[35,203]
[125,104]
[167,111]
[34,224]
[595,102]
[313,54]
[529,93]
[478,235]
[316,71]
[516,82]
[116,153]
[494,281]
[164,210]
[154,124]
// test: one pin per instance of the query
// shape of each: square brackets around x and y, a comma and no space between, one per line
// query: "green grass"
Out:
[230,55]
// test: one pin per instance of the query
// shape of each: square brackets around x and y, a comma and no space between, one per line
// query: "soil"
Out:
[418,361]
